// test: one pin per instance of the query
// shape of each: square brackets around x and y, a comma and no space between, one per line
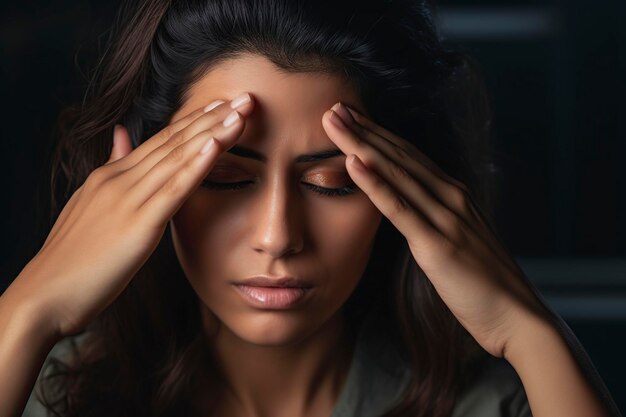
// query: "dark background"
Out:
[555,71]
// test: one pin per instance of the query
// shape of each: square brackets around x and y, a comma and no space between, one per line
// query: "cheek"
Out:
[202,234]
[208,240]
[344,235]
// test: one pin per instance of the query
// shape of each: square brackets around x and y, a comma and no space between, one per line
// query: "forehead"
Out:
[287,105]
[275,89]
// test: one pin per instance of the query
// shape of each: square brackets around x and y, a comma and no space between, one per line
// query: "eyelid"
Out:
[323,191]
[329,181]
[333,173]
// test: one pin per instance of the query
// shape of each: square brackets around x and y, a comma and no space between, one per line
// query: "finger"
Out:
[172,129]
[211,121]
[407,186]
[454,195]
[122,145]
[409,221]
[170,182]
[173,149]
[221,122]
[363,122]
[158,139]
[365,126]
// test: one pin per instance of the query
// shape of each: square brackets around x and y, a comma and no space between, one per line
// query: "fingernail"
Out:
[343,112]
[356,162]
[213,105]
[207,146]
[336,120]
[240,100]
[232,118]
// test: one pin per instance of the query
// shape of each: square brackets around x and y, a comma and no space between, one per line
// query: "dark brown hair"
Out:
[141,356]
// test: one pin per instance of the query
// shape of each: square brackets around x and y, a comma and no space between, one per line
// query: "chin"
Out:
[271,329]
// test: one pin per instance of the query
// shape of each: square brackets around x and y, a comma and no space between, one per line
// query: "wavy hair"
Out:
[146,352]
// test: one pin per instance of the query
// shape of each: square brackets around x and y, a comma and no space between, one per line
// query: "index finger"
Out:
[408,147]
[166,133]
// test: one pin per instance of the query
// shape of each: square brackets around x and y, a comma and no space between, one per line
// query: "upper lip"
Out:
[266,281]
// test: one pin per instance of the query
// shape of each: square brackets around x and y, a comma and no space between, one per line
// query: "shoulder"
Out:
[493,390]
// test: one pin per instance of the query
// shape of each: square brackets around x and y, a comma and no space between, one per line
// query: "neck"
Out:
[300,379]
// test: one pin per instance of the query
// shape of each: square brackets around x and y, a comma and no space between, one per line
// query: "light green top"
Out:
[377,378]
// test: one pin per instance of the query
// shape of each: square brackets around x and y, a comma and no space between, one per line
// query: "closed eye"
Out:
[329,192]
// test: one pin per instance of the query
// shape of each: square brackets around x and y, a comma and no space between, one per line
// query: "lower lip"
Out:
[273,297]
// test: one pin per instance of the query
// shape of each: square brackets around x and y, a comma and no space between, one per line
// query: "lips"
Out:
[278,293]
[280,282]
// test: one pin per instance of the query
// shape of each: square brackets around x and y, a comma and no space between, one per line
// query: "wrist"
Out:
[532,336]
[35,326]
[551,374]
[26,316]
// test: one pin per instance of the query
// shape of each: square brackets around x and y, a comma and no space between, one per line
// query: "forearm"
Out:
[24,345]
[553,380]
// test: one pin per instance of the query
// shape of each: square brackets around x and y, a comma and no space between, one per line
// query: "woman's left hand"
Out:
[451,242]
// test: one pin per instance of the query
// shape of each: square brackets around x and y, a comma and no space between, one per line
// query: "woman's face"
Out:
[274,224]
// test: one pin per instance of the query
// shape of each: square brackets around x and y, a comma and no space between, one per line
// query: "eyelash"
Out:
[328,192]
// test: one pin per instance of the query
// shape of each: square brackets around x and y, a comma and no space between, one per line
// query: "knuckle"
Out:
[176,140]
[456,242]
[360,129]
[363,148]
[173,185]
[446,219]
[459,197]
[378,182]
[176,184]
[98,189]
[96,177]
[449,247]
[453,226]
[413,151]
[167,132]
[108,187]
[399,205]
[176,155]
[399,152]
[460,185]
[399,173]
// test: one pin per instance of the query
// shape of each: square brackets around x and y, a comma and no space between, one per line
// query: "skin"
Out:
[276,362]
[272,361]
[288,363]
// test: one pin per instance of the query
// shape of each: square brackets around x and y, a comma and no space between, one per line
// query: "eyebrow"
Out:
[244,152]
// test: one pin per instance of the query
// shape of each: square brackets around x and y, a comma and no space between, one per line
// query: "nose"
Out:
[277,221]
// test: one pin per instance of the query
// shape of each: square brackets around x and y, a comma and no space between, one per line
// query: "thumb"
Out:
[121,144]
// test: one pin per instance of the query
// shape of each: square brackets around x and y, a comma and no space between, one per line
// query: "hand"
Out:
[451,242]
[115,220]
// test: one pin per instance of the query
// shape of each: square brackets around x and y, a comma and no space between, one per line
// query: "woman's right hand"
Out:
[115,220]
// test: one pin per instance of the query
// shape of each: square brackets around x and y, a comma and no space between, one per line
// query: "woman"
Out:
[288,223]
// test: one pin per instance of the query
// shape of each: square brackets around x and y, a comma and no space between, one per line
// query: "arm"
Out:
[552,377]
[24,346]
[97,247]
[473,273]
